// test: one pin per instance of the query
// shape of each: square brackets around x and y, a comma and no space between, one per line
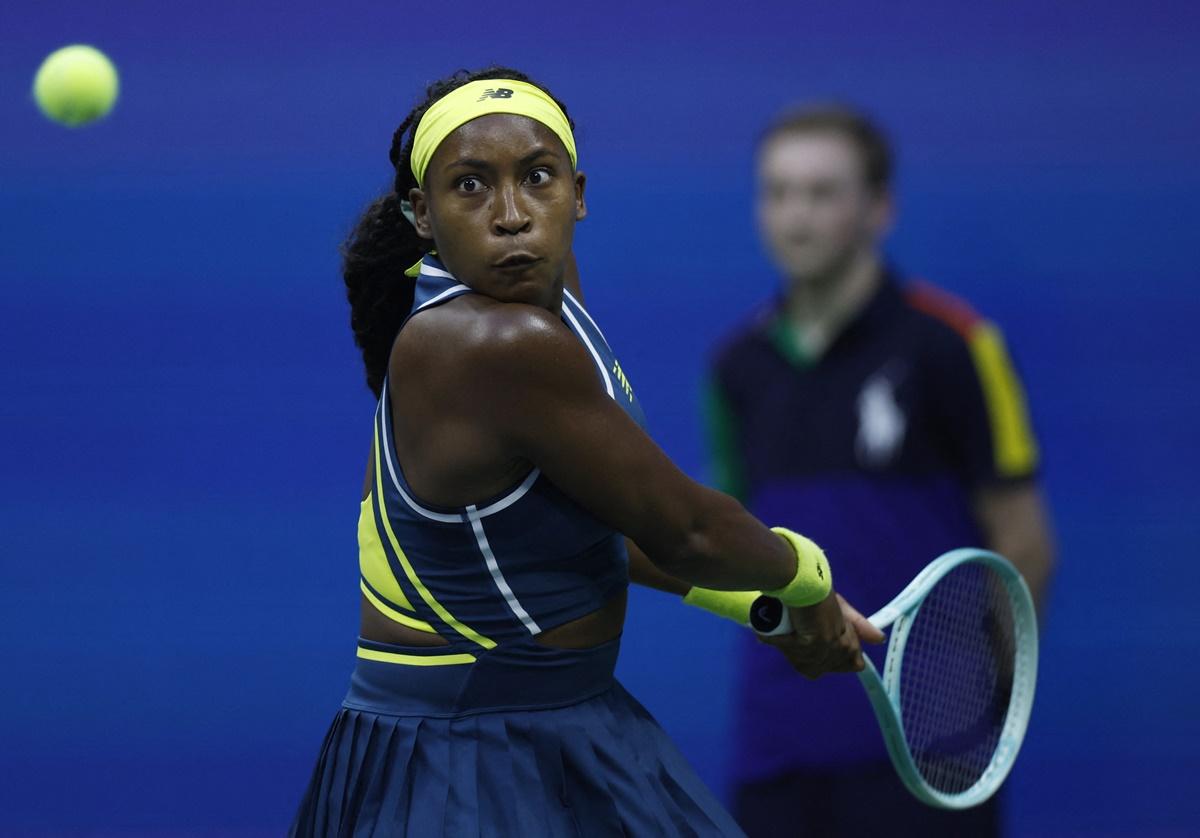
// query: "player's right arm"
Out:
[546,404]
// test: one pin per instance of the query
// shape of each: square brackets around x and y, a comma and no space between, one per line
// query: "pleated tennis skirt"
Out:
[524,742]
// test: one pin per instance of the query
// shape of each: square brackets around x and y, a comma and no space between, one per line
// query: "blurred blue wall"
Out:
[183,424]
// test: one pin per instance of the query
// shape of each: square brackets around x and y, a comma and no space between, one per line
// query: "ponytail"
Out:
[374,257]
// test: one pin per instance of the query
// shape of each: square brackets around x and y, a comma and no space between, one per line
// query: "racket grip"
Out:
[769,617]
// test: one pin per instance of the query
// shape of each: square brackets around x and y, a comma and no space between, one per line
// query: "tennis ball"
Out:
[75,85]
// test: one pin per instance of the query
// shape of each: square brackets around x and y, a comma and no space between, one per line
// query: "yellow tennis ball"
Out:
[75,85]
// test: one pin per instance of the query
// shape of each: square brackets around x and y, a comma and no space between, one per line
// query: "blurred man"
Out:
[883,418]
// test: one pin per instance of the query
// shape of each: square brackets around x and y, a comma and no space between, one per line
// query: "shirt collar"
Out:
[775,327]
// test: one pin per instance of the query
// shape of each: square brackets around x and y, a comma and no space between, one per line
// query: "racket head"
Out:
[956,691]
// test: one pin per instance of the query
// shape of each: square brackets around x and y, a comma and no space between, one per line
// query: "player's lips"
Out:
[517,260]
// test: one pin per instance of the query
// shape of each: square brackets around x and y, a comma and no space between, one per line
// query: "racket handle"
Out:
[769,617]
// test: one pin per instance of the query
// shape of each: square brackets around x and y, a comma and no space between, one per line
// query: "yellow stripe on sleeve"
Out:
[1013,445]
[414,660]
[465,630]
[392,614]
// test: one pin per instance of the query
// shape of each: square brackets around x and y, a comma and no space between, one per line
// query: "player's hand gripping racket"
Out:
[954,697]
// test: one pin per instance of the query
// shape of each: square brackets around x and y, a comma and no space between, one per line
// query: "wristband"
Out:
[732,605]
[813,580]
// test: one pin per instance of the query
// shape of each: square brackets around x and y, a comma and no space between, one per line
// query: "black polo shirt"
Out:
[874,450]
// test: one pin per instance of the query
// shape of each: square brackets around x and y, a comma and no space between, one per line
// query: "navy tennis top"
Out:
[501,569]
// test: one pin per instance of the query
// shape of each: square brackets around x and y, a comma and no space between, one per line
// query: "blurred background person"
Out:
[884,418]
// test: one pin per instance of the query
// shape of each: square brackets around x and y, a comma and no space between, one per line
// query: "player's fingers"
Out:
[850,660]
[802,657]
[867,632]
[862,626]
[854,664]
[805,639]
[811,661]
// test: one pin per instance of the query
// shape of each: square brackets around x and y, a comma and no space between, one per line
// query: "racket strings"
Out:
[956,677]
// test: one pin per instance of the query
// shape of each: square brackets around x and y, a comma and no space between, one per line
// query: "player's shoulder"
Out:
[477,339]
[474,323]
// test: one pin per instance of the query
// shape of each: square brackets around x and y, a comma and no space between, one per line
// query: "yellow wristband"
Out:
[732,605]
[813,580]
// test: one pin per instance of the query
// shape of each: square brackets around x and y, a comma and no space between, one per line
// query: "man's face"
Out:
[815,209]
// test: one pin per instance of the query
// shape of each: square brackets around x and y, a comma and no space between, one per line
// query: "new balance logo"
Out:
[622,380]
[495,93]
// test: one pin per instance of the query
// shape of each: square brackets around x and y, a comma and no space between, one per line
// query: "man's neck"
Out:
[817,311]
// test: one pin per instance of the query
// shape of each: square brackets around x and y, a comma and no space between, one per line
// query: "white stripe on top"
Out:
[579,306]
[490,559]
[595,355]
[430,270]
[491,509]
[513,496]
[435,300]
[384,432]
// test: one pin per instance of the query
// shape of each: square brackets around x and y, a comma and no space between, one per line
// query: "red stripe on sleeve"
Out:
[951,310]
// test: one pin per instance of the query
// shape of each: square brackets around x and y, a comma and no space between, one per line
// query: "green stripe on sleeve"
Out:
[727,471]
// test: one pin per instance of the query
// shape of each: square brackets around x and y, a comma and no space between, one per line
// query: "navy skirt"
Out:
[525,741]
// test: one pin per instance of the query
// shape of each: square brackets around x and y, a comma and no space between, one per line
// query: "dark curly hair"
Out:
[383,243]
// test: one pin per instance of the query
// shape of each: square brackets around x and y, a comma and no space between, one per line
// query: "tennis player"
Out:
[509,477]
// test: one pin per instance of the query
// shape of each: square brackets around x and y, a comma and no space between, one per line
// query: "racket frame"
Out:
[884,691]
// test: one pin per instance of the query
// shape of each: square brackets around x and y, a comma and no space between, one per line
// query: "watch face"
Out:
[765,614]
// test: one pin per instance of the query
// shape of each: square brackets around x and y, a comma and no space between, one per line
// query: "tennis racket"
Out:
[956,690]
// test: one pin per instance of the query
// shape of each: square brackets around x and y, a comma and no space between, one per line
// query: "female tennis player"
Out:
[510,494]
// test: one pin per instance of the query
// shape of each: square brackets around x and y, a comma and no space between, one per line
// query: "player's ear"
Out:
[882,212]
[580,203]
[420,211]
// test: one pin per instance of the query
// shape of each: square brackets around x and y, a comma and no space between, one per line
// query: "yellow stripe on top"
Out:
[465,630]
[372,561]
[1013,444]
[414,660]
[391,613]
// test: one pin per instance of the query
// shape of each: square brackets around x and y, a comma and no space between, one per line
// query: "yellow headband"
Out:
[479,98]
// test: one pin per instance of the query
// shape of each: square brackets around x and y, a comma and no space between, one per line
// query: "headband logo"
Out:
[495,93]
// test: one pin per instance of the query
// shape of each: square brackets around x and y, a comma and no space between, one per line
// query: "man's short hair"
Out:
[841,119]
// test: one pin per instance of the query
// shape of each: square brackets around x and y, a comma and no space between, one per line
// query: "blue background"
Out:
[183,424]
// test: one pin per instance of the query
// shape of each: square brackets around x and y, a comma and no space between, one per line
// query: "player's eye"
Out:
[470,184]
[775,192]
[539,176]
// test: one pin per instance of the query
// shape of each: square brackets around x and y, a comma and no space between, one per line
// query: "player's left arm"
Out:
[719,425]
[988,424]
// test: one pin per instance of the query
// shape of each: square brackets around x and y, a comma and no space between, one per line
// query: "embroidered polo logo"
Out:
[495,93]
[881,421]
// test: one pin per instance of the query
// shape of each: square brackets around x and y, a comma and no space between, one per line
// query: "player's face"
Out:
[500,202]
[815,209]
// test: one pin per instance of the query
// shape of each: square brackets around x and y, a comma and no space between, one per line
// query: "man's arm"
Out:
[985,416]
[1016,524]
